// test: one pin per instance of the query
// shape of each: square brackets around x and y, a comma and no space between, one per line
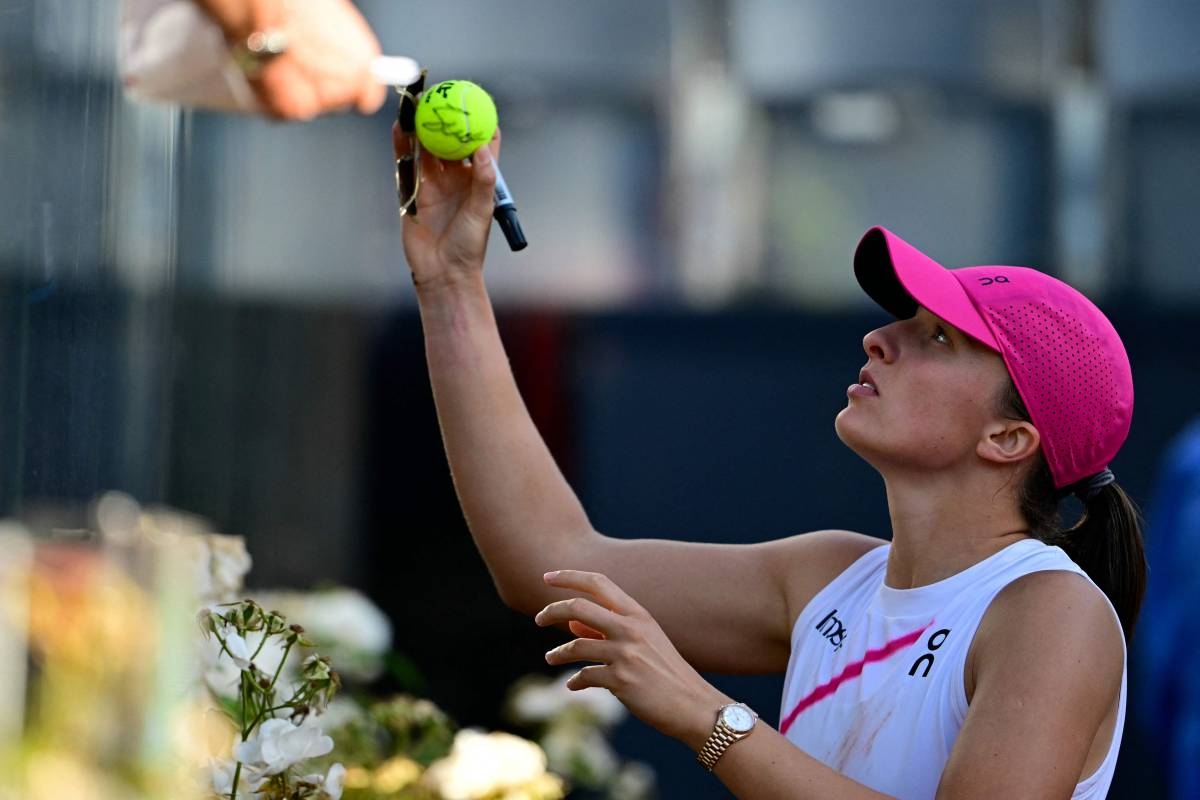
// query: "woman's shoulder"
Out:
[1051,621]
[1044,682]
[811,561]
[825,554]
[1064,590]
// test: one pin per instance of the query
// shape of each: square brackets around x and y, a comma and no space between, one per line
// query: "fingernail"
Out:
[549,576]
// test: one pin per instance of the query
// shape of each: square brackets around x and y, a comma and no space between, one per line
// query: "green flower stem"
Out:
[247,702]
[266,635]
[286,652]
[237,771]
[237,774]
[253,713]
[273,709]
[271,692]
[224,647]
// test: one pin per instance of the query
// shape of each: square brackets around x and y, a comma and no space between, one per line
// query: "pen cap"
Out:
[506,216]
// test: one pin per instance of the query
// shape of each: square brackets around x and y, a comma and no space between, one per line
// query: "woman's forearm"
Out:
[766,766]
[523,515]
[635,660]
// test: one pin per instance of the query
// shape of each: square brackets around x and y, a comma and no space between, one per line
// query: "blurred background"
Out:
[213,312]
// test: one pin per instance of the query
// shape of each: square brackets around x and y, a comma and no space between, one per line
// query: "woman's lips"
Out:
[865,387]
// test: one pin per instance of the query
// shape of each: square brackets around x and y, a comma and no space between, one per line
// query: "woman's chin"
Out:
[844,426]
[853,436]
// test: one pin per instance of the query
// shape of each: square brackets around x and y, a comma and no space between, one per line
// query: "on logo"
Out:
[997,279]
[935,641]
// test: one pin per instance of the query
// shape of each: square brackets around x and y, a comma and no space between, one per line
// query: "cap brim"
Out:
[899,277]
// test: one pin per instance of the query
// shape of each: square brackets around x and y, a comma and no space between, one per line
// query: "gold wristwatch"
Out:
[735,721]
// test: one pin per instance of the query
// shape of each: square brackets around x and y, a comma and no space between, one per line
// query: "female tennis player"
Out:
[979,654]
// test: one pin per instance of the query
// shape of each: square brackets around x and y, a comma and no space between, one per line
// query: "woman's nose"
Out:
[878,345]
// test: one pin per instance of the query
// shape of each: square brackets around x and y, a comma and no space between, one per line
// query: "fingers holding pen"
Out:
[483,184]
[447,208]
[494,144]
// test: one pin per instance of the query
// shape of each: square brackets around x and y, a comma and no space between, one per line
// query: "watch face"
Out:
[738,717]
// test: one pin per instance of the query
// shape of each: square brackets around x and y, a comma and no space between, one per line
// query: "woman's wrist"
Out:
[449,286]
[702,716]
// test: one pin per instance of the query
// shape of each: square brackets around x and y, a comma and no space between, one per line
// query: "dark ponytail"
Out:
[1106,542]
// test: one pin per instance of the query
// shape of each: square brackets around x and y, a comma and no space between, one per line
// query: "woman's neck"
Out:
[942,526]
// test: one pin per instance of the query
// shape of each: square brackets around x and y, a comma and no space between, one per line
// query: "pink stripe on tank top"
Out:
[851,671]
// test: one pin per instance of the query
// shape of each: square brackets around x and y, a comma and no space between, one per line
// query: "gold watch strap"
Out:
[718,742]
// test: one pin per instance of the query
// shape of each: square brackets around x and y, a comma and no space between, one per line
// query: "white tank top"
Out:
[875,683]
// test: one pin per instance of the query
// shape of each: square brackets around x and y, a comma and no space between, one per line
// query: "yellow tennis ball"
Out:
[454,119]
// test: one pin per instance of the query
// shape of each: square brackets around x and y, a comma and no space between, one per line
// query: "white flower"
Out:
[343,622]
[333,781]
[270,654]
[481,764]
[221,675]
[580,752]
[223,666]
[540,700]
[278,744]
[330,783]
[635,781]
[237,649]
[222,780]
[222,669]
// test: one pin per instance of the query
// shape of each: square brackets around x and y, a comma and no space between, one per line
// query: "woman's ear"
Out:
[1008,441]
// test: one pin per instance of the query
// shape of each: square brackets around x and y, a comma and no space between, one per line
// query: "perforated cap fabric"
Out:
[1064,356]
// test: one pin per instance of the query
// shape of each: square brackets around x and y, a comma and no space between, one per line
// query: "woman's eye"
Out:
[940,335]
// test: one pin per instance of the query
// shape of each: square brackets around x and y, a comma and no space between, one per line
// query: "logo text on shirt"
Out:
[832,629]
[936,640]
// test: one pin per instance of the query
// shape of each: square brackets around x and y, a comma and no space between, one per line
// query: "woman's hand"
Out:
[326,66]
[446,240]
[637,662]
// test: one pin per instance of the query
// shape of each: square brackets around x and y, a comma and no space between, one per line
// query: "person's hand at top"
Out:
[445,241]
[325,63]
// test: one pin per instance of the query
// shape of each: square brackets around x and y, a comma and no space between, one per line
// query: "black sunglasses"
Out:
[408,166]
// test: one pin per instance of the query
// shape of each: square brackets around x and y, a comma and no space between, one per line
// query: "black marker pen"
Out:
[506,214]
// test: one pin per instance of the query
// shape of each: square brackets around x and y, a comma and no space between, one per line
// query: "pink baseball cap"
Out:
[1064,356]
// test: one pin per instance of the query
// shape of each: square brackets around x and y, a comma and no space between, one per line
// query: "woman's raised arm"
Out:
[726,607]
